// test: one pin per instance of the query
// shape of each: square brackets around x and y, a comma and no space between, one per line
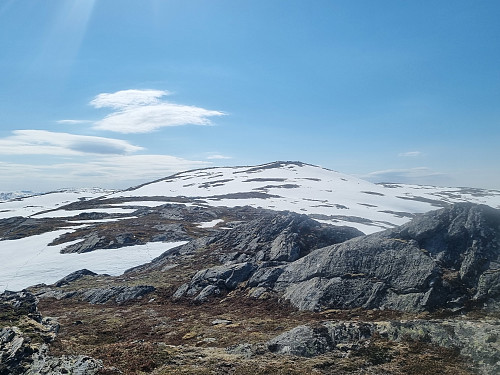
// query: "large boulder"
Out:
[444,259]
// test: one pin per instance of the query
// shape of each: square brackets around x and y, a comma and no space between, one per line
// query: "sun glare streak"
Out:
[65,38]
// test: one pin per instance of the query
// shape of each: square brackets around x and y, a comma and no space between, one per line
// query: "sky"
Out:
[113,93]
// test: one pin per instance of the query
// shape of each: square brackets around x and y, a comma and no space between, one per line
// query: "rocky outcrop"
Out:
[256,250]
[74,276]
[117,294]
[310,341]
[444,259]
[94,241]
[21,303]
[212,280]
[278,237]
[477,340]
[23,344]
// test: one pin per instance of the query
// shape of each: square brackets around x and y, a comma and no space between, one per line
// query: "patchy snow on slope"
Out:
[29,261]
[71,213]
[327,195]
[31,205]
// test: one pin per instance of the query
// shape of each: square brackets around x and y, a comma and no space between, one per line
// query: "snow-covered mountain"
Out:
[324,194]
[110,231]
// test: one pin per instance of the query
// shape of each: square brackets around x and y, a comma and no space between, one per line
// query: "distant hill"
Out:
[8,195]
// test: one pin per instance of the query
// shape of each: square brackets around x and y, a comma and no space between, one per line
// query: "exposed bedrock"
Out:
[448,258]
[256,250]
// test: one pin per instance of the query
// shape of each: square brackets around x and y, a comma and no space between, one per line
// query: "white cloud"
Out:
[128,98]
[420,176]
[143,111]
[218,157]
[42,142]
[410,154]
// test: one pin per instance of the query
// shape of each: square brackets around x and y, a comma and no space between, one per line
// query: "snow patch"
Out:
[30,261]
[210,224]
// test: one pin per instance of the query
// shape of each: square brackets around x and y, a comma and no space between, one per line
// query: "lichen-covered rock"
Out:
[477,340]
[23,345]
[309,341]
[20,355]
[212,280]
[19,304]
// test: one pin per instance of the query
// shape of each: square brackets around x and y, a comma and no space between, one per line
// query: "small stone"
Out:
[189,335]
[221,321]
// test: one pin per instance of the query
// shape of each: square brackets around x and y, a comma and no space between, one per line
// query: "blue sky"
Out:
[112,93]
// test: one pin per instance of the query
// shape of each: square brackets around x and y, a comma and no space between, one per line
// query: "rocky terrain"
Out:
[444,259]
[273,289]
[252,290]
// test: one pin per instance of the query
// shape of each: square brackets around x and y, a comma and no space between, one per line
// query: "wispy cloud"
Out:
[410,154]
[143,111]
[42,142]
[74,122]
[218,157]
[120,171]
[420,176]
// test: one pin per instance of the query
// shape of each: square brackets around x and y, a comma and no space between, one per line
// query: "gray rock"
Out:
[280,237]
[22,302]
[206,292]
[444,259]
[309,341]
[221,321]
[74,276]
[44,364]
[54,293]
[89,243]
[265,277]
[257,250]
[119,294]
[211,280]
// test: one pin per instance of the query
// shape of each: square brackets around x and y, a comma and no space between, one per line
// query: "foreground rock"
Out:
[473,339]
[24,343]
